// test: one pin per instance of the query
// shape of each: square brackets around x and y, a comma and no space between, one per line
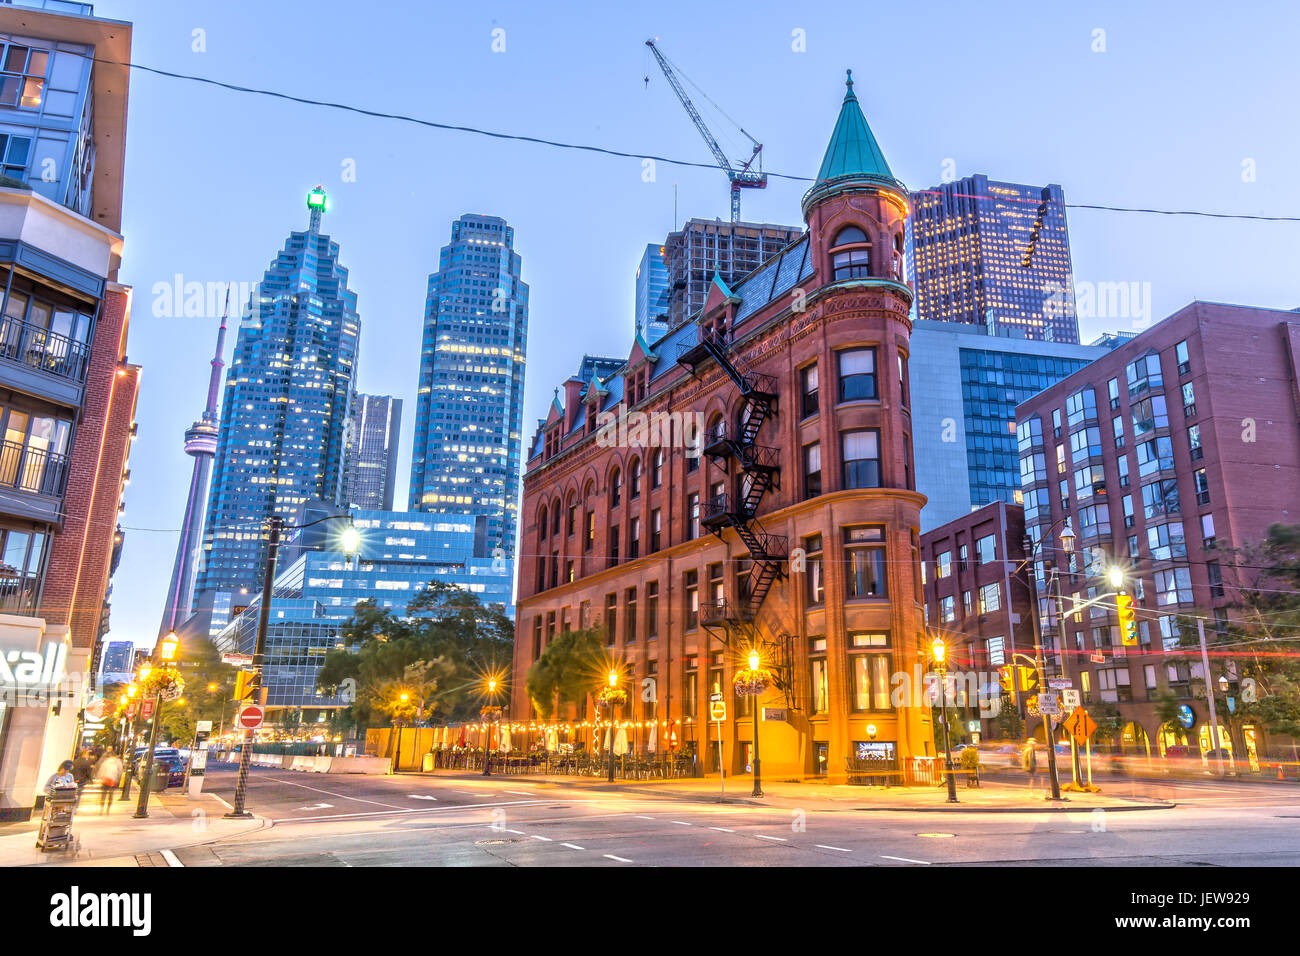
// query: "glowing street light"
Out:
[1115,576]
[939,651]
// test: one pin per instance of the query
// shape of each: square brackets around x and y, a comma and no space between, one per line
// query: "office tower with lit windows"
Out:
[465,459]
[284,415]
[994,254]
[370,469]
[653,295]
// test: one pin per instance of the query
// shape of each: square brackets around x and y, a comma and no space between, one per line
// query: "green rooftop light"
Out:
[316,199]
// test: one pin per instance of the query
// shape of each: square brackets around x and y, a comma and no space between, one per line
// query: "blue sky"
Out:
[1181,102]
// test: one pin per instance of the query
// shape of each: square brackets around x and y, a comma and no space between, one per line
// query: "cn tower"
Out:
[201,445]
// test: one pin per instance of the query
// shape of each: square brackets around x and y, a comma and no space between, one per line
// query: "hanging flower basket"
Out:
[164,683]
[751,683]
[611,696]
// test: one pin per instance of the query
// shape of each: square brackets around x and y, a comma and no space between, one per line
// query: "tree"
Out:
[455,638]
[1009,724]
[572,666]
[1262,642]
[209,686]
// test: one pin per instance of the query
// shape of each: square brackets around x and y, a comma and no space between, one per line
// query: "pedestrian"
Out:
[108,773]
[1029,760]
[61,778]
[83,769]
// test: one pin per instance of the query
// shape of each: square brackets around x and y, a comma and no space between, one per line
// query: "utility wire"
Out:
[602,150]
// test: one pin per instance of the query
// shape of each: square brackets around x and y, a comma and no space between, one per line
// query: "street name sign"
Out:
[1059,683]
[238,660]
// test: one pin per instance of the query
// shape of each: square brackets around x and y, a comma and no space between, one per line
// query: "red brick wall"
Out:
[77,574]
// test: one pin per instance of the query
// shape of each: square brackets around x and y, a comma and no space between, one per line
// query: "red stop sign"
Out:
[250,718]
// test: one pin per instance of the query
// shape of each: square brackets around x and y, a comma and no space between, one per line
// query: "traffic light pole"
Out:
[259,651]
[1042,684]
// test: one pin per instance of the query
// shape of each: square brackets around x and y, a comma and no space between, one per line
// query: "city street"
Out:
[408,820]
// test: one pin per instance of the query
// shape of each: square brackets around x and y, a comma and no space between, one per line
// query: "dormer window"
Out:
[851,254]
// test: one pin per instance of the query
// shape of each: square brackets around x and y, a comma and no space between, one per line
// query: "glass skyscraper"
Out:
[285,411]
[994,254]
[653,295]
[370,472]
[469,412]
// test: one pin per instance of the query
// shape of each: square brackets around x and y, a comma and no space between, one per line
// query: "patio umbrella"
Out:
[620,742]
[651,744]
[552,739]
[503,741]
[462,736]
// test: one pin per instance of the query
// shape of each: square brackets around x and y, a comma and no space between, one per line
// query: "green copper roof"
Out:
[853,151]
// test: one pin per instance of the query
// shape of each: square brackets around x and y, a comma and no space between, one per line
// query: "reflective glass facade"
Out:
[469,412]
[997,254]
[285,410]
[400,553]
[370,472]
[653,295]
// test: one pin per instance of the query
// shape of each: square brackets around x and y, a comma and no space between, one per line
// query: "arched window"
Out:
[851,254]
[541,524]
[898,256]
[634,478]
[615,488]
[572,506]
[555,517]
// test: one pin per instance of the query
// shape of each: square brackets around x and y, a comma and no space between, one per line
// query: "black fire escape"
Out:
[757,470]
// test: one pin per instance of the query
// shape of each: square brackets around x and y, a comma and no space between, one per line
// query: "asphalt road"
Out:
[321,820]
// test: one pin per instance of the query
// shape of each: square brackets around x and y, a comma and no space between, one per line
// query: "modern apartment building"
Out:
[469,412]
[370,462]
[703,248]
[967,382]
[796,534]
[67,391]
[284,414]
[1177,447]
[653,295]
[317,586]
[996,254]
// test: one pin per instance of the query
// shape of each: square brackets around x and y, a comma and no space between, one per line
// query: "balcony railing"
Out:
[18,590]
[32,469]
[42,349]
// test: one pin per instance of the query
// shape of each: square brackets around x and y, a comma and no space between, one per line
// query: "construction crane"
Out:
[744,178]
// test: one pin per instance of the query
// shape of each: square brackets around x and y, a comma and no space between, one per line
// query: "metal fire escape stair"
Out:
[758,471]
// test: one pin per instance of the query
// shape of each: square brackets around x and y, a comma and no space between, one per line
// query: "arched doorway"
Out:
[1171,734]
[1133,740]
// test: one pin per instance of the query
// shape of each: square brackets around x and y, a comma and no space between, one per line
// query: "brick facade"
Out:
[81,550]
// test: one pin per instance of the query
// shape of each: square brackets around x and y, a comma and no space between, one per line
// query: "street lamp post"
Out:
[163,654]
[754,662]
[487,728]
[613,683]
[351,540]
[940,653]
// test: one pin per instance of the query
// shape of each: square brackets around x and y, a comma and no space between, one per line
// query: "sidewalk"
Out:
[991,797]
[118,839]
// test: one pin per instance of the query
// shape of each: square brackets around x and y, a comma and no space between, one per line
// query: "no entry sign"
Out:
[250,718]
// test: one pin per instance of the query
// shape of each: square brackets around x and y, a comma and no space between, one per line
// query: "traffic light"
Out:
[243,682]
[1128,628]
[1017,677]
[1007,678]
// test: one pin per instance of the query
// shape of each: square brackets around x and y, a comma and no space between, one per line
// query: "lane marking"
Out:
[642,816]
[903,859]
[316,806]
[170,857]
[516,832]
[681,823]
[611,856]
[329,793]
[542,838]
[723,829]
[762,837]
[384,813]
[220,801]
[420,796]
[573,846]
[522,793]
[823,846]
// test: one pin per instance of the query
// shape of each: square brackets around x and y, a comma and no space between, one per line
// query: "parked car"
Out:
[169,757]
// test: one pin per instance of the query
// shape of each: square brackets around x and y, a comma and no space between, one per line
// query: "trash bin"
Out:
[160,776]
[427,763]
